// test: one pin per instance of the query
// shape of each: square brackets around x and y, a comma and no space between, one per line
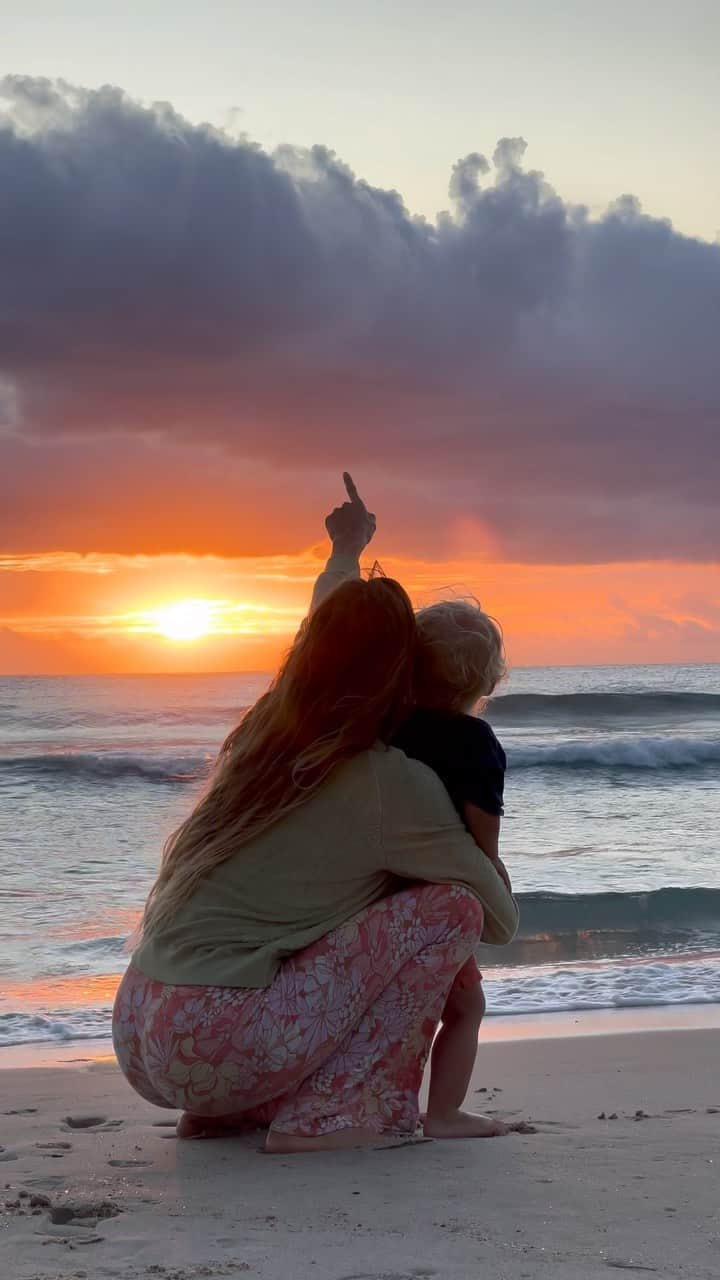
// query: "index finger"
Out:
[351,490]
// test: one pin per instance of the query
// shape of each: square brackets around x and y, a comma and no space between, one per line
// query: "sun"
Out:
[186,620]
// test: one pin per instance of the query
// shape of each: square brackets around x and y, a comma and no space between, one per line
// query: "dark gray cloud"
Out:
[557,375]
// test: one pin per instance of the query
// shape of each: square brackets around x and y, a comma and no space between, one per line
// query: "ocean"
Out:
[611,834]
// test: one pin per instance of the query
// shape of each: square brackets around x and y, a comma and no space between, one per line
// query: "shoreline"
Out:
[497,1029]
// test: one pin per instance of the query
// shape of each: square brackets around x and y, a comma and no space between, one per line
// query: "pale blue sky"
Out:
[612,97]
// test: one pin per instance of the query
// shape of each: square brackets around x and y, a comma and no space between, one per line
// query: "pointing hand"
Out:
[351,526]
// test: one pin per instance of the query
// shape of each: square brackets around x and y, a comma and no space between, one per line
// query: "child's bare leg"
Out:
[451,1067]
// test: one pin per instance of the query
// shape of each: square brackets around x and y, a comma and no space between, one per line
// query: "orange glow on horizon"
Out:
[64,613]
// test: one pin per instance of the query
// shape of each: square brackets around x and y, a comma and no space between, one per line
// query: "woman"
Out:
[284,975]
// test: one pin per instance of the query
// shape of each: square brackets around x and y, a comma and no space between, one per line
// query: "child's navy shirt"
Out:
[462,750]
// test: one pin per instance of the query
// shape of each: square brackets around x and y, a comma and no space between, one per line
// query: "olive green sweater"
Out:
[379,820]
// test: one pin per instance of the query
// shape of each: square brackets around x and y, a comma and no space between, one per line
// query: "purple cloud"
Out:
[554,375]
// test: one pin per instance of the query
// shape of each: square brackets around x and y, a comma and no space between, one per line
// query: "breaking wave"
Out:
[666,752]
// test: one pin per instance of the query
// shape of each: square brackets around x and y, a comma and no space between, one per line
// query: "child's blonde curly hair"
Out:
[461,656]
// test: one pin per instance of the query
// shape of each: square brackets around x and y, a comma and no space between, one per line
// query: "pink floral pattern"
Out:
[340,1037]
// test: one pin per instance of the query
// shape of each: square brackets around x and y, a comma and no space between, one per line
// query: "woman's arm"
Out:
[350,528]
[423,839]
[339,568]
[485,830]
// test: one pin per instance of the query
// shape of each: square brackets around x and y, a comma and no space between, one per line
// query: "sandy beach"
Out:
[621,1175]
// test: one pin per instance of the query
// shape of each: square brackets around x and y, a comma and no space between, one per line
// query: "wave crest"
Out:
[545,915]
[666,752]
[107,767]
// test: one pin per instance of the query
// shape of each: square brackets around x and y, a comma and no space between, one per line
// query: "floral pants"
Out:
[338,1040]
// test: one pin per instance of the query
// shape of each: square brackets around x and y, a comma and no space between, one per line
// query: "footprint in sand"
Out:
[129,1164]
[54,1150]
[627,1266]
[98,1123]
[50,1183]
[72,1235]
[82,1212]
[22,1111]
[416,1274]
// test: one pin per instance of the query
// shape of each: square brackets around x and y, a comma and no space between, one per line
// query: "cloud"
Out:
[167,290]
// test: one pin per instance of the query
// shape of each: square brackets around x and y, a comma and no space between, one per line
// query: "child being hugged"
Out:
[460,662]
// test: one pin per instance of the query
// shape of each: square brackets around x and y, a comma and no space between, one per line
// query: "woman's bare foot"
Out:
[463,1124]
[341,1140]
[189,1126]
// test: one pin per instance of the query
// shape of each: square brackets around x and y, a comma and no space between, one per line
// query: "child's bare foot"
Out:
[463,1124]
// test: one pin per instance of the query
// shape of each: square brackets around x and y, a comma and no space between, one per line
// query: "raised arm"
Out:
[350,529]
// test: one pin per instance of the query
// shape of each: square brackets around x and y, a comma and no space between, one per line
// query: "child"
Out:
[460,662]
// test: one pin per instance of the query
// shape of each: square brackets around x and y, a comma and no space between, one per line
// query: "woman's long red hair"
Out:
[345,683]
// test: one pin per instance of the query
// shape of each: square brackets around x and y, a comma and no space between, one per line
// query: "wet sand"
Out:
[622,1175]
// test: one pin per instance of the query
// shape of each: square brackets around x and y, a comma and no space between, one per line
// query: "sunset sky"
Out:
[472,256]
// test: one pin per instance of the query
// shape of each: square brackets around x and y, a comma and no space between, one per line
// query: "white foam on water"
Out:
[561,989]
